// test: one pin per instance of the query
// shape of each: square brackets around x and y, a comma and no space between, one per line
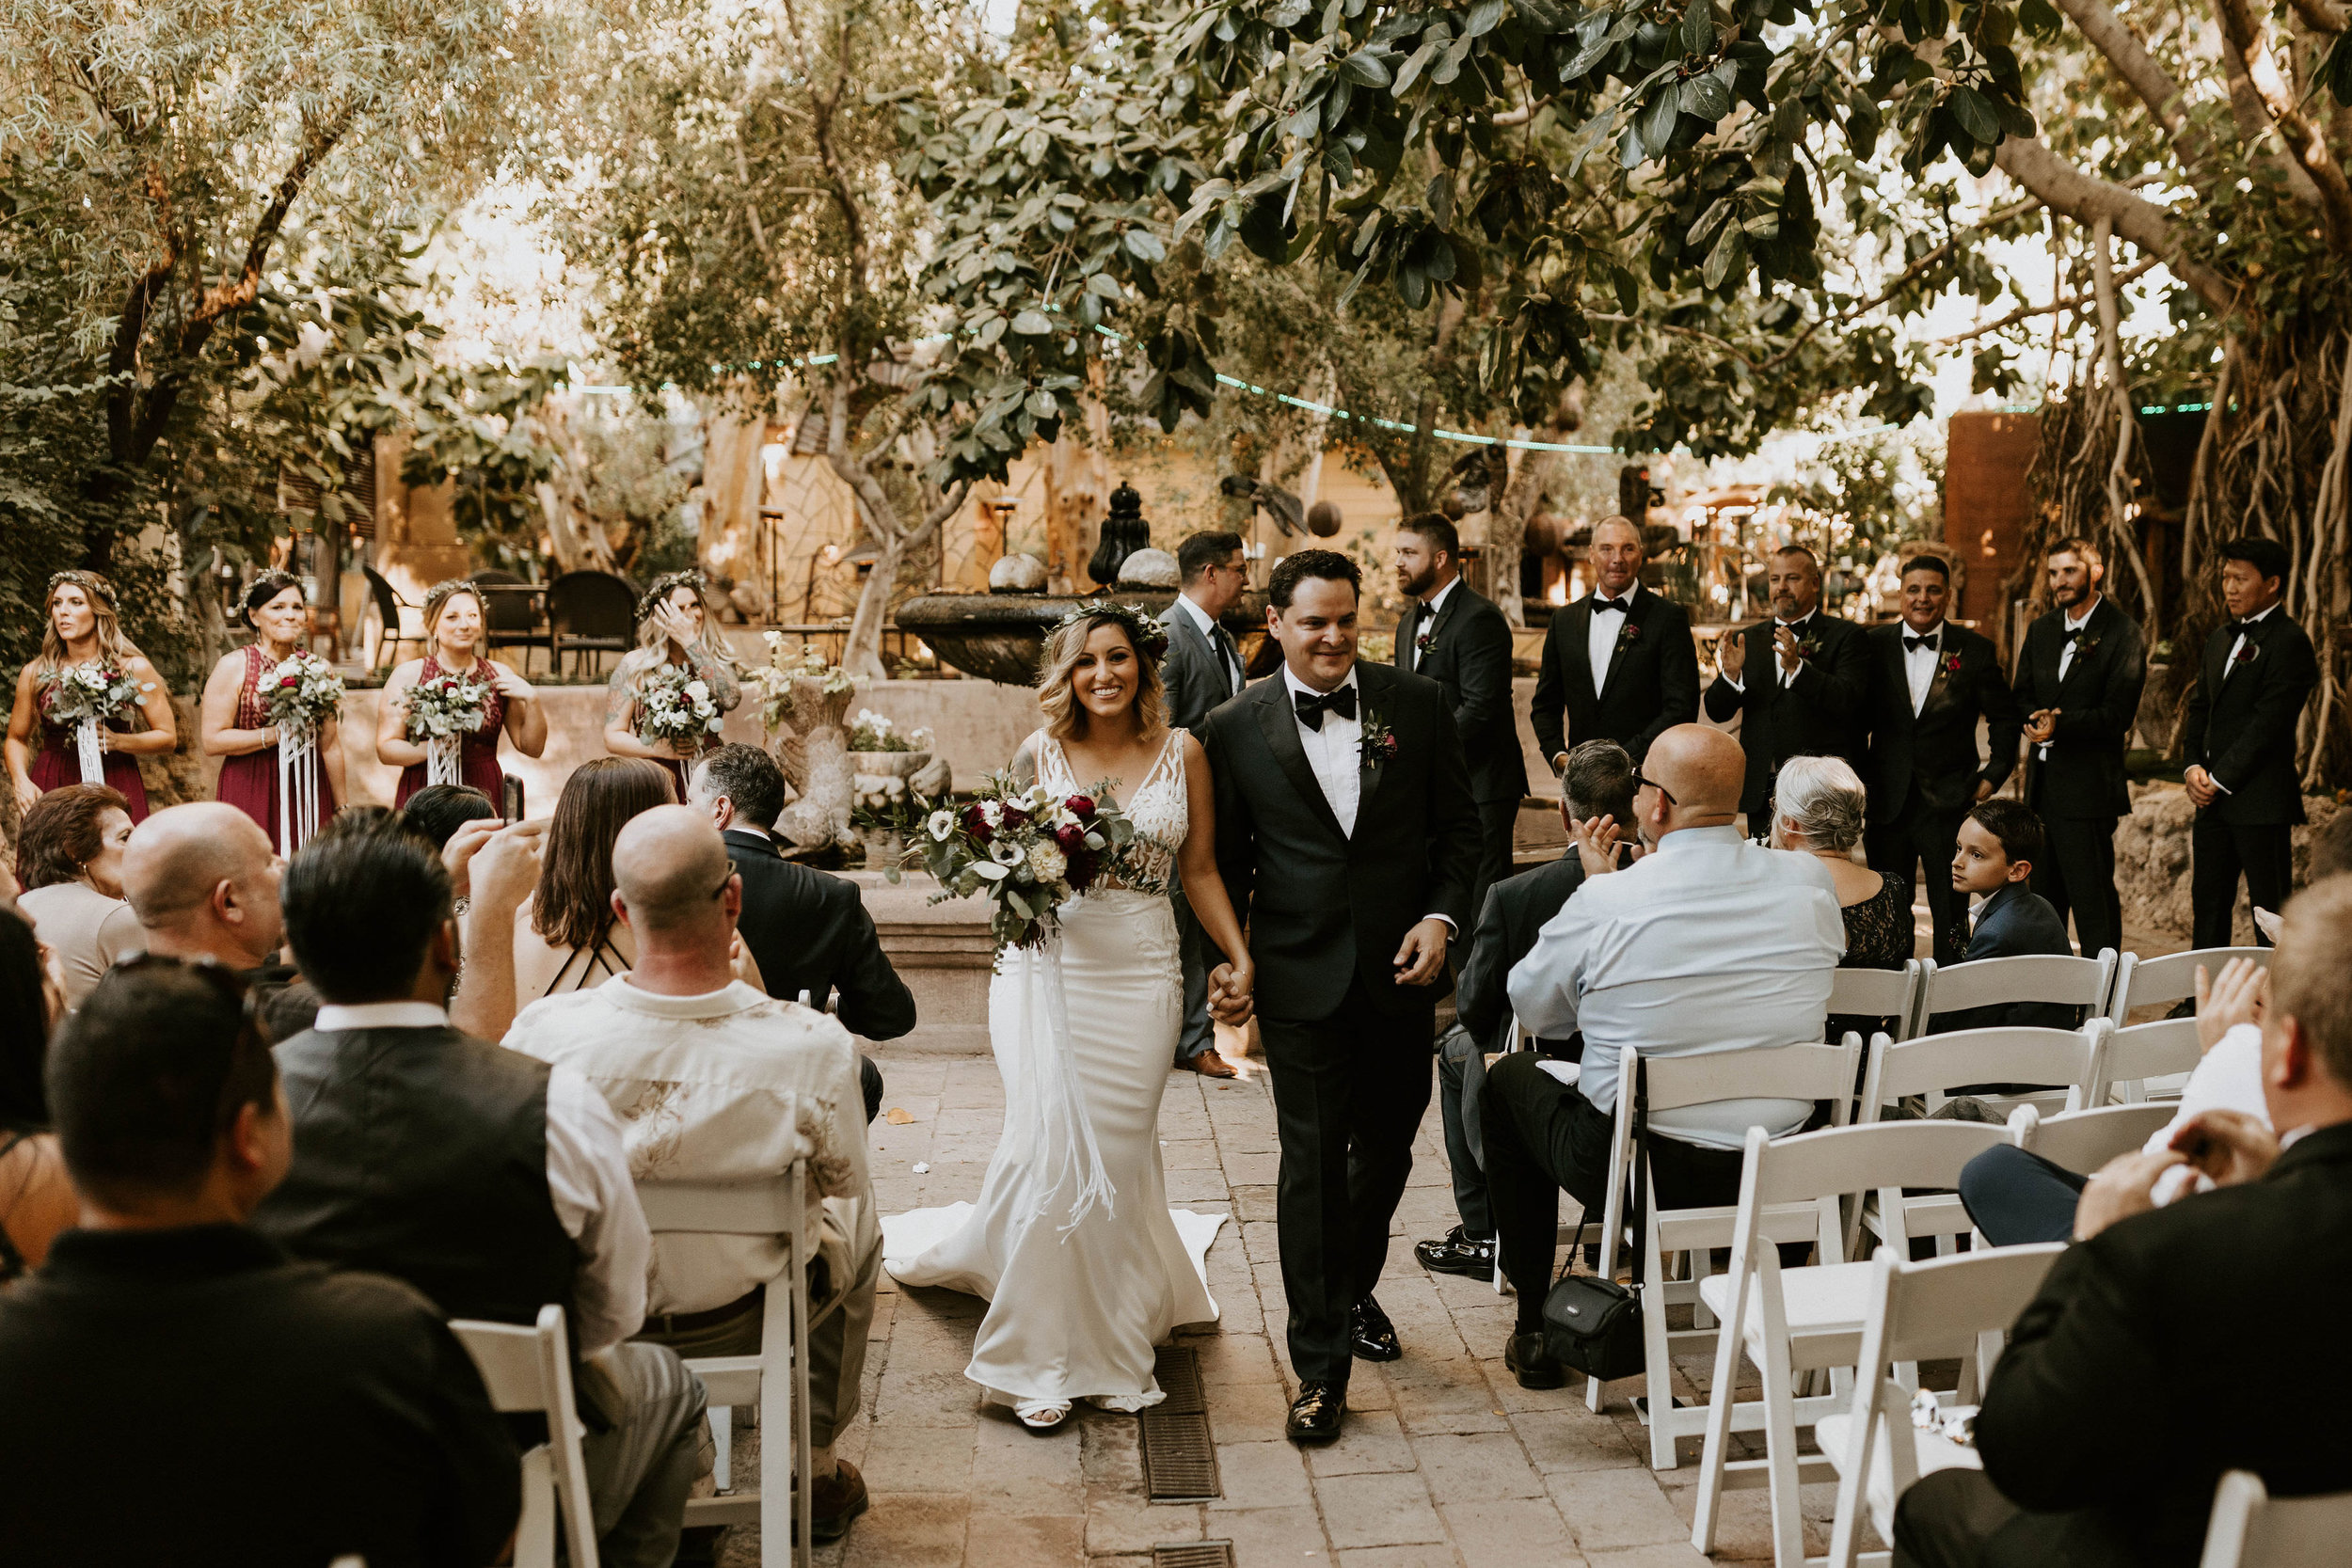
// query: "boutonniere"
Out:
[1808,645]
[1951,664]
[2248,648]
[1629,632]
[2085,641]
[1378,742]
[1423,644]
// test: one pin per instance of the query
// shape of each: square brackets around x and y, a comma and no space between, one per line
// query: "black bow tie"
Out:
[1621,606]
[1913,644]
[2241,629]
[2073,632]
[1312,708]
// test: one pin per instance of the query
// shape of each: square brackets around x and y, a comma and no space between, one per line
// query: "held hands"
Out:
[2124,1186]
[2238,997]
[2200,786]
[1422,960]
[2041,724]
[1232,989]
[1731,653]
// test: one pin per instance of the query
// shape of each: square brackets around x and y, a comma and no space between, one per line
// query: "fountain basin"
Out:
[1001,637]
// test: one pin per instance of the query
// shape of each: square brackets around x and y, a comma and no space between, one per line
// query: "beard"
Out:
[1419,583]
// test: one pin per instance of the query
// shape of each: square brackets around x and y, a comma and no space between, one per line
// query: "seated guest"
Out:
[807,933]
[2174,1344]
[1818,806]
[267,1413]
[36,1201]
[203,878]
[1595,782]
[1708,943]
[437,811]
[490,1181]
[715,1082]
[568,940]
[68,860]
[1999,841]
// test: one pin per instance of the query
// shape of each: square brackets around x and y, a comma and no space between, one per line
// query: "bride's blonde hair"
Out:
[1065,715]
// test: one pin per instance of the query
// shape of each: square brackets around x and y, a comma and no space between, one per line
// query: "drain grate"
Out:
[1179,1456]
[1194,1554]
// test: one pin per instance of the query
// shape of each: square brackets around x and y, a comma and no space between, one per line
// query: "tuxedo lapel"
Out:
[1406,630]
[1635,621]
[1578,633]
[1376,698]
[1280,726]
[1939,682]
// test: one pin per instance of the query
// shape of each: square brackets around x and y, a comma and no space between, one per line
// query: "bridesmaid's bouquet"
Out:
[446,707]
[94,691]
[676,705]
[301,693]
[1029,851]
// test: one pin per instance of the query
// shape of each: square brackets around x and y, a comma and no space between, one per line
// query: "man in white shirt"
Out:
[714,1080]
[1707,943]
[1202,670]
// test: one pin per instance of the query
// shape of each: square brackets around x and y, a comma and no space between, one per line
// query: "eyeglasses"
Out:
[1641,782]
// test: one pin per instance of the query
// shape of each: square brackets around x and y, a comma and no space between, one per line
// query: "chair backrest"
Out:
[2250,1529]
[387,608]
[529,1370]
[2153,982]
[2082,1141]
[774,1207]
[1937,1064]
[1879,993]
[506,612]
[2137,1051]
[1838,1160]
[592,604]
[2029,977]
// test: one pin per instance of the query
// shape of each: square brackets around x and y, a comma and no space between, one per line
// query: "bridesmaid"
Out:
[675,631]
[82,626]
[237,720]
[455,626]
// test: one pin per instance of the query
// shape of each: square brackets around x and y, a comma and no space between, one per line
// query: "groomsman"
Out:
[1458,638]
[2078,686]
[1802,680]
[2257,673]
[1619,664]
[1932,680]
[1202,669]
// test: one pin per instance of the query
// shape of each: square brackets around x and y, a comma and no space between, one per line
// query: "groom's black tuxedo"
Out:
[1326,909]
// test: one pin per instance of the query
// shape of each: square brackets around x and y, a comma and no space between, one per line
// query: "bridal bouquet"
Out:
[676,705]
[446,707]
[1029,851]
[301,692]
[93,690]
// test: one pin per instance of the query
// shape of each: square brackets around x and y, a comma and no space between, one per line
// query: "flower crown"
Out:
[441,593]
[663,586]
[90,583]
[1143,631]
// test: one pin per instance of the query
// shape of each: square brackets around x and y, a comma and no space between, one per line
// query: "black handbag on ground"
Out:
[1595,1324]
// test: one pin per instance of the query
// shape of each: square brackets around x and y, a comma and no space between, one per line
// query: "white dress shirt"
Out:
[2066,655]
[2229,666]
[588,1182]
[1919,663]
[1708,944]
[1334,752]
[1600,638]
[1224,662]
[1429,617]
[1788,678]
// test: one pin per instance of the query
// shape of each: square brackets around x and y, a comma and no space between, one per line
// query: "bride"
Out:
[1075,1310]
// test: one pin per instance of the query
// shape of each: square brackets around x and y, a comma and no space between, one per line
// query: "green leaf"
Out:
[1144,245]
[1042,405]
[1365,69]
[1417,64]
[1657,120]
[1629,289]
[1705,98]
[1105,284]
[2041,19]
[1698,29]
[1862,123]
[1728,249]
[1032,324]
[1975,116]
[1483,17]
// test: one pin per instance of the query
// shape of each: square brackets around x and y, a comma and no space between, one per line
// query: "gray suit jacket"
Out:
[1196,677]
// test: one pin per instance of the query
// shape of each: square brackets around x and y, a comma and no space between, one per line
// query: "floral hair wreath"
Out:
[441,593]
[1146,633]
[276,581]
[89,583]
[663,586]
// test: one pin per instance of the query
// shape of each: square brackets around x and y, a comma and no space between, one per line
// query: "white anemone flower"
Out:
[942,824]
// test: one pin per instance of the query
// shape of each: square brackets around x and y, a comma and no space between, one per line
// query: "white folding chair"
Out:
[2148,1061]
[529,1370]
[2082,1141]
[2068,982]
[1678,1082]
[1809,1318]
[2250,1529]
[1945,1306]
[775,1382]
[2157,982]
[1881,993]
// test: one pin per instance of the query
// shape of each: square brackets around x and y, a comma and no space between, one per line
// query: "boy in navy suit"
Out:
[1999,841]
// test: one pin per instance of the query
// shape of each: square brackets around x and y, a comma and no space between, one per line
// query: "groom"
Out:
[1348,838]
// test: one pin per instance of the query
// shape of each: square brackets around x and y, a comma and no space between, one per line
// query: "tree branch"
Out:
[2085,197]
[1992,220]
[2319,16]
[2240,32]
[2113,36]
[2071,302]
[122,361]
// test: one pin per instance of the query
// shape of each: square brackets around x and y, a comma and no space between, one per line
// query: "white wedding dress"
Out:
[1073,1312]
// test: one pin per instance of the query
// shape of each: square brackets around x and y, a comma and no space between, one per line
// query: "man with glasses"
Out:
[1202,669]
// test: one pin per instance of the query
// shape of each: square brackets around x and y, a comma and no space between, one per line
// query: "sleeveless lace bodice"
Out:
[1159,808]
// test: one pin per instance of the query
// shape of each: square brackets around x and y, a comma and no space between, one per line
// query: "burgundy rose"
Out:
[1072,839]
[1081,807]
[976,825]
[1083,864]
[1015,816]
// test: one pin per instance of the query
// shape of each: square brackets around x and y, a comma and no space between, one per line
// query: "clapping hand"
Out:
[2238,997]
[1785,643]
[1731,653]
[1232,998]
[2267,922]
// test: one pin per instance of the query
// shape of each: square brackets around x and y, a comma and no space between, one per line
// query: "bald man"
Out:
[1706,943]
[715,1081]
[203,878]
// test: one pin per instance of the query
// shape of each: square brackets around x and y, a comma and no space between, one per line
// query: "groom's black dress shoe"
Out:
[1532,1364]
[1370,1333]
[1459,1253]
[1315,1414]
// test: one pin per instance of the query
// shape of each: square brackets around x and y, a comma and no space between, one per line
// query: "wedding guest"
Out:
[1202,669]
[1620,663]
[2257,675]
[35,1200]
[2174,1344]
[678,640]
[715,1082]
[82,628]
[236,718]
[1456,637]
[1933,682]
[1819,807]
[455,626]
[1992,865]
[1801,682]
[568,940]
[494,1183]
[272,1412]
[437,811]
[1597,783]
[1707,943]
[2078,684]
[203,878]
[68,860]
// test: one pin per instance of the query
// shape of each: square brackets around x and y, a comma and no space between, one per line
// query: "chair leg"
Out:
[1722,1397]
[803,1536]
[776,1455]
[722,1443]
[1780,1455]
[1657,1375]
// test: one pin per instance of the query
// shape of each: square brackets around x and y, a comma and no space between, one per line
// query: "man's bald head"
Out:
[669,866]
[1701,769]
[203,878]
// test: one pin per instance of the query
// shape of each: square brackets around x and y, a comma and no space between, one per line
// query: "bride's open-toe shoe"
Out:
[1043,1415]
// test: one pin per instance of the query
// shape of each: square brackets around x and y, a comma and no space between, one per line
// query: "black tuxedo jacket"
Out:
[2016,922]
[1469,655]
[1651,685]
[1823,712]
[1194,673]
[1935,749]
[810,932]
[2181,1343]
[2240,722]
[1517,909]
[2097,702]
[1324,907]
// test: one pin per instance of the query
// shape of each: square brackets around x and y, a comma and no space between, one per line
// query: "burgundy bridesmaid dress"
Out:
[250,782]
[478,754]
[59,764]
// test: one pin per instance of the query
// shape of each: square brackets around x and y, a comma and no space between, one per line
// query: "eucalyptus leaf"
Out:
[1032,324]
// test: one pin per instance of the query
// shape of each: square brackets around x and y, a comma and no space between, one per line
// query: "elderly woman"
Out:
[1817,808]
[69,860]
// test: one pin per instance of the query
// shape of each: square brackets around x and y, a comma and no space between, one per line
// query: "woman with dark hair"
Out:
[35,1200]
[678,646]
[236,716]
[436,811]
[83,642]
[566,938]
[69,857]
[456,627]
